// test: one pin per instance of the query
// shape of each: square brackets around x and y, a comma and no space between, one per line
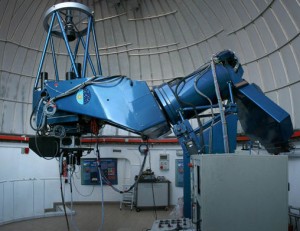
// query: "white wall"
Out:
[29,183]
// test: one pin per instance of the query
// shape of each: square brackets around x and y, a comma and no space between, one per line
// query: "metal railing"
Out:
[22,199]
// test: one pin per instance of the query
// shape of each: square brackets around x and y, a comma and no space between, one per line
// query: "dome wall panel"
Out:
[254,74]
[290,64]
[275,28]
[24,87]
[267,75]
[215,15]
[113,65]
[155,62]
[191,20]
[196,56]
[256,41]
[292,7]
[145,67]
[19,121]
[3,6]
[286,23]
[295,102]
[155,42]
[202,23]
[167,72]
[284,96]
[176,30]
[2,47]
[124,64]
[184,27]
[11,87]
[7,121]
[176,63]
[29,63]
[104,64]
[118,32]
[279,71]
[295,46]
[241,11]
[9,54]
[246,45]
[141,34]
[251,8]
[187,62]
[34,25]
[262,4]
[1,113]
[6,19]
[231,14]
[21,20]
[214,44]
[19,59]
[265,34]
[4,78]
[135,67]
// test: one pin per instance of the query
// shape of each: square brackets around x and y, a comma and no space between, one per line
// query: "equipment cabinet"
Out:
[234,192]
[152,194]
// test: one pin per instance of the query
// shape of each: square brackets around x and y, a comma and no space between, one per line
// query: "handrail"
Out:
[10,202]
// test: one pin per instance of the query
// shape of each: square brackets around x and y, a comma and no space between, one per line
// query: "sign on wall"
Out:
[90,172]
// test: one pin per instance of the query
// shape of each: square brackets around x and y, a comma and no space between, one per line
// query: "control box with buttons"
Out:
[164,162]
[172,224]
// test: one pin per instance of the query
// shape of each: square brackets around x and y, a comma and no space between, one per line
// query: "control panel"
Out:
[164,162]
[172,224]
[90,173]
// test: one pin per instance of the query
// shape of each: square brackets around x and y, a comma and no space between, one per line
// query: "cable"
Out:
[222,114]
[61,191]
[43,120]
[152,187]
[71,171]
[39,152]
[136,180]
[211,108]
[101,185]
[93,80]
[183,80]
[77,190]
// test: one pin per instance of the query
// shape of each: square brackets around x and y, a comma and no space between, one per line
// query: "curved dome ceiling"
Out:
[155,41]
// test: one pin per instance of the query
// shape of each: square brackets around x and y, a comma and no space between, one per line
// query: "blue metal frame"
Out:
[44,52]
[86,49]
[67,44]
[54,59]
[96,51]
[89,57]
[72,55]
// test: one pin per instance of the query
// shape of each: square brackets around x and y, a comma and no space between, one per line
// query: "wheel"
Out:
[166,208]
[138,209]
[79,14]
